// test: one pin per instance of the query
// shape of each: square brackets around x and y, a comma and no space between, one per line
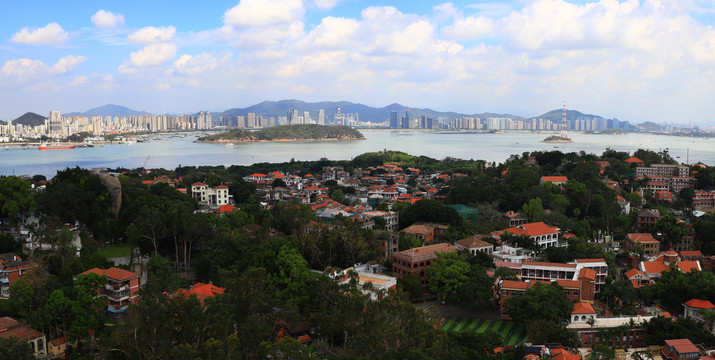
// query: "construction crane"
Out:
[145,161]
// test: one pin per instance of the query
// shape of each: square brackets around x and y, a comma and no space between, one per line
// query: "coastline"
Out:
[224,141]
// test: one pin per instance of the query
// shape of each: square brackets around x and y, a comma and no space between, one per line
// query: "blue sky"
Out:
[634,60]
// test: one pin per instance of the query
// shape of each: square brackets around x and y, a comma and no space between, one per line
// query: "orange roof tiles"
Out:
[682,346]
[583,308]
[554,179]
[429,251]
[198,183]
[688,266]
[473,242]
[654,267]
[633,272]
[587,273]
[642,238]
[113,273]
[632,160]
[513,284]
[700,304]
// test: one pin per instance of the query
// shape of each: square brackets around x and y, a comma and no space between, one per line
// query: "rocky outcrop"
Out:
[115,190]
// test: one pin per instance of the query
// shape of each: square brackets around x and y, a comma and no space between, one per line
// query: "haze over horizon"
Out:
[636,61]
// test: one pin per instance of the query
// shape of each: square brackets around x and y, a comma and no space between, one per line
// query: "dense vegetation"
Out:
[264,257]
[288,132]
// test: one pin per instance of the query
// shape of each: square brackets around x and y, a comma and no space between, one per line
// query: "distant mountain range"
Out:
[280,108]
[108,110]
[367,113]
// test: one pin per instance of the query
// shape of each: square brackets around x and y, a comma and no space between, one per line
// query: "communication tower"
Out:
[564,124]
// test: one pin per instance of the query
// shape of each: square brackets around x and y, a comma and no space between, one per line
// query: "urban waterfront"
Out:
[170,152]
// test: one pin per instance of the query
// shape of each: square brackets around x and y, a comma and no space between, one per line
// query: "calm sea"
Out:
[170,152]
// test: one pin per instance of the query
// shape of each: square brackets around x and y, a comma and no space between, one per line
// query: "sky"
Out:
[649,60]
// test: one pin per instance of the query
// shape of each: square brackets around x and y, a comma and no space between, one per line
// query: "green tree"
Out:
[411,284]
[540,302]
[601,352]
[16,349]
[671,227]
[454,279]
[16,198]
[293,279]
[22,296]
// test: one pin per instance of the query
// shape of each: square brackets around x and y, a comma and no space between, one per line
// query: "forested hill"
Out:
[287,133]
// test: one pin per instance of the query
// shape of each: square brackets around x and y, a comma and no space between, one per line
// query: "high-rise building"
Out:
[394,120]
[54,123]
[292,116]
[321,117]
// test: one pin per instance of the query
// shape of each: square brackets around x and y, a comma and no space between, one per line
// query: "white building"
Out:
[206,195]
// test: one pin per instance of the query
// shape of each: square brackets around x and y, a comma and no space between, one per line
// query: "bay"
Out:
[174,151]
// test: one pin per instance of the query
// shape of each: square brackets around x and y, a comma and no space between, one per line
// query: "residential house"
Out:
[679,349]
[634,162]
[582,279]
[423,233]
[201,291]
[638,278]
[515,219]
[416,261]
[206,195]
[10,327]
[649,245]
[12,268]
[57,348]
[624,204]
[391,218]
[544,235]
[556,180]
[648,217]
[476,244]
[121,289]
[582,312]
[509,254]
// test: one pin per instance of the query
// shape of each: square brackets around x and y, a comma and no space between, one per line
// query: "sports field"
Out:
[511,332]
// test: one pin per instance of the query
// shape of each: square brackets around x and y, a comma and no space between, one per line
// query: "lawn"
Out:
[115,251]
[510,332]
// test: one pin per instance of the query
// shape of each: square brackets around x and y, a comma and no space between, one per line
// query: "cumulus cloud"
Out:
[195,65]
[79,80]
[332,32]
[151,34]
[22,68]
[48,35]
[153,55]
[256,13]
[67,64]
[107,19]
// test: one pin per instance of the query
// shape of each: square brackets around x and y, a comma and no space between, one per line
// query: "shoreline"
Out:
[232,141]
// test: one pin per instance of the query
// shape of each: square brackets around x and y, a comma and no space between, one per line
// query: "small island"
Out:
[298,132]
[556,139]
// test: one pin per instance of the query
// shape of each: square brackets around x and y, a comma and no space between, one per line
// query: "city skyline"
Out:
[637,61]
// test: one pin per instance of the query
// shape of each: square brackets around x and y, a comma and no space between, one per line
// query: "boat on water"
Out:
[45,146]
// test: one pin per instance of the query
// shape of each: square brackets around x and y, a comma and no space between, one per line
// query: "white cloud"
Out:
[332,32]
[195,65]
[23,68]
[126,70]
[151,34]
[79,80]
[107,19]
[67,64]
[48,35]
[325,4]
[257,13]
[469,28]
[153,55]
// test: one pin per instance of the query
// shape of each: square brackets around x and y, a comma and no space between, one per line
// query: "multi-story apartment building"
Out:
[391,218]
[416,261]
[594,269]
[704,201]
[12,268]
[121,289]
[665,170]
[11,328]
[206,195]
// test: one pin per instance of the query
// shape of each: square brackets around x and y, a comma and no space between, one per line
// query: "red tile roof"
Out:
[699,304]
[583,308]
[514,284]
[554,179]
[587,273]
[633,272]
[688,266]
[226,208]
[694,253]
[682,346]
[643,238]
[113,273]
[221,187]
[631,160]
[198,183]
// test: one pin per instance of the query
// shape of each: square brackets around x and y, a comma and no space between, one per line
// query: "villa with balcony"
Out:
[121,289]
